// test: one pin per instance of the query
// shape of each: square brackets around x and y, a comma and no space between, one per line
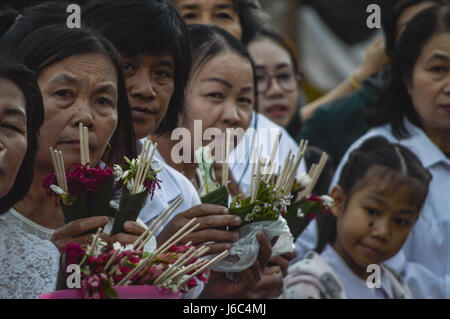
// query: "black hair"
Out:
[390,20]
[54,43]
[33,18]
[397,165]
[251,18]
[395,103]
[282,41]
[8,16]
[146,27]
[208,41]
[27,83]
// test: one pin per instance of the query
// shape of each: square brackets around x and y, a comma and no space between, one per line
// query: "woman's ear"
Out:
[338,195]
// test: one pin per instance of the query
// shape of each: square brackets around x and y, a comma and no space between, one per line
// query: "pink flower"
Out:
[81,180]
[204,276]
[74,253]
[151,184]
[192,283]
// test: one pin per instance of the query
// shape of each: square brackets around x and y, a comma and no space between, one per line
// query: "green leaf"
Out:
[242,212]
[110,292]
[217,197]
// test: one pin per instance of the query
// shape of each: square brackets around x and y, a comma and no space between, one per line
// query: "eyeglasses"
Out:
[287,80]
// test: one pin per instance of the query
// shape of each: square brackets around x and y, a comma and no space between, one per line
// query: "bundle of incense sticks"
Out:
[225,153]
[143,166]
[151,230]
[176,272]
[58,164]
[289,169]
[314,174]
[84,144]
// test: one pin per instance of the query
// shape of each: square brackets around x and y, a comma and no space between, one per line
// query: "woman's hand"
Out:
[375,59]
[132,231]
[79,231]
[282,261]
[270,285]
[219,286]
[211,218]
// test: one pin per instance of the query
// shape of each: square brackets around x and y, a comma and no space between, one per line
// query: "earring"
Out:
[108,149]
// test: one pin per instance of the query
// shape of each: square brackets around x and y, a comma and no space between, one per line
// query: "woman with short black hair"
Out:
[21,115]
[15,185]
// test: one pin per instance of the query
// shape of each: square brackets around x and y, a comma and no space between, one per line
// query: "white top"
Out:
[266,134]
[354,286]
[424,260]
[29,264]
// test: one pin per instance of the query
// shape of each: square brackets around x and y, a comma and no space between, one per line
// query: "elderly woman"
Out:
[21,115]
[415,112]
[81,82]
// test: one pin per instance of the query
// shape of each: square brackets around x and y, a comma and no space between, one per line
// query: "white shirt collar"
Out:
[428,152]
[354,286]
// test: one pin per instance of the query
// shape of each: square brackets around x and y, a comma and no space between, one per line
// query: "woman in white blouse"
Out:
[415,112]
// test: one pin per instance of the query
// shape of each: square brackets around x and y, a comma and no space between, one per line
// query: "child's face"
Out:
[374,224]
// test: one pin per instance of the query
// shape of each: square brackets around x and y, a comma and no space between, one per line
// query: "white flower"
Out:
[118,172]
[286,200]
[113,205]
[304,180]
[124,176]
[327,200]
[130,184]
[99,245]
[117,246]
[129,247]
[58,190]
[300,213]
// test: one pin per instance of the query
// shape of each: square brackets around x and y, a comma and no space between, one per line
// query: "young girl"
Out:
[377,202]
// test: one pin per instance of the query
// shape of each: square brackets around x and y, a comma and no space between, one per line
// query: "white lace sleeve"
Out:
[29,265]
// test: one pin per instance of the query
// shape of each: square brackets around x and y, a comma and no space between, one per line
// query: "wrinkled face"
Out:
[217,12]
[150,84]
[277,83]
[374,224]
[430,85]
[409,13]
[221,94]
[79,89]
[13,133]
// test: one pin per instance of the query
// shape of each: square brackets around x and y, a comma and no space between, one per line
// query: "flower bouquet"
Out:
[306,206]
[163,273]
[136,179]
[84,191]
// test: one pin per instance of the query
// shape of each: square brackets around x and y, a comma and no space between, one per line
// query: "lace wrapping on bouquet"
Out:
[244,252]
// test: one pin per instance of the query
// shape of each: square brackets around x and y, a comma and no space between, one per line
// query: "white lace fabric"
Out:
[29,264]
